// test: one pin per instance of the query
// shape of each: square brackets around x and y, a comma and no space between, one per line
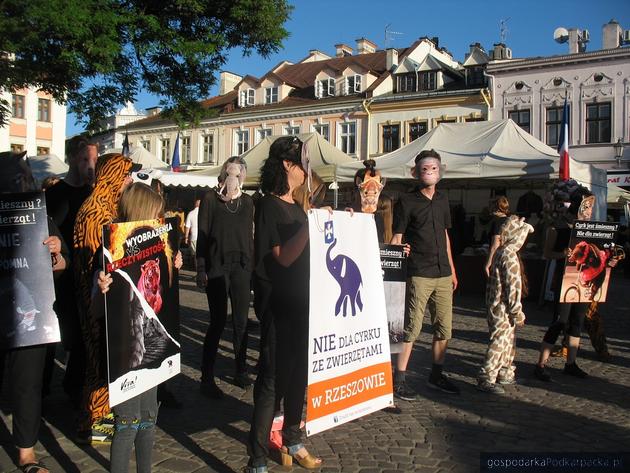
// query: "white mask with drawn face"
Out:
[429,171]
[232,182]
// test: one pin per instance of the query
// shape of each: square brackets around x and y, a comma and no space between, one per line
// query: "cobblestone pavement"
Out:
[439,433]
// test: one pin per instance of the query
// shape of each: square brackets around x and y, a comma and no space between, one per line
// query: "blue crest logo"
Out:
[329,232]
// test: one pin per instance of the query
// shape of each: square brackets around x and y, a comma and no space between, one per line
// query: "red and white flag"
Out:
[563,144]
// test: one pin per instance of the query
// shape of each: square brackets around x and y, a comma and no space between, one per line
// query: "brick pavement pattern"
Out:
[439,433]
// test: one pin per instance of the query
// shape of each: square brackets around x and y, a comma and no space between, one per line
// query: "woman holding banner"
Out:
[282,258]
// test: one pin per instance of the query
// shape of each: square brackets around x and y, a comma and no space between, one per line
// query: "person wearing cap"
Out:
[421,220]
[282,259]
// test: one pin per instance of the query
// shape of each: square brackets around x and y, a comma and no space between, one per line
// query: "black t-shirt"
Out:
[63,202]
[277,222]
[225,232]
[495,226]
[423,223]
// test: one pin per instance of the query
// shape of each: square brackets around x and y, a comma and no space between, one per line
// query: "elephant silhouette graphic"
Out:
[347,274]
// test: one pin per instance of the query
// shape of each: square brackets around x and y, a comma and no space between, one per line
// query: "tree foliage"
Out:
[98,54]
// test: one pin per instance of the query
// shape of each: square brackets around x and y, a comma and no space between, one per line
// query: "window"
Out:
[207,155]
[406,82]
[348,137]
[15,148]
[521,118]
[292,130]
[322,129]
[18,106]
[598,123]
[553,125]
[264,133]
[474,76]
[242,141]
[416,130]
[42,150]
[186,154]
[391,138]
[427,81]
[353,84]
[146,144]
[165,151]
[271,95]
[325,88]
[43,110]
[246,98]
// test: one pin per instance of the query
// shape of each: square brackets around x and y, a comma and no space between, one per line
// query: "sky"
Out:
[457,23]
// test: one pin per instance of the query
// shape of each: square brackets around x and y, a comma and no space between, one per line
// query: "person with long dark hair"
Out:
[282,260]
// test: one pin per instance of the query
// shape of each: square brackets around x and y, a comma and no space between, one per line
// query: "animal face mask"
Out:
[232,182]
[370,189]
[585,212]
[429,171]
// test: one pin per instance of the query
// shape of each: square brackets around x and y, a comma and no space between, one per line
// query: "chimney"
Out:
[227,82]
[343,50]
[612,35]
[577,40]
[365,46]
[501,51]
[436,42]
[391,60]
[471,49]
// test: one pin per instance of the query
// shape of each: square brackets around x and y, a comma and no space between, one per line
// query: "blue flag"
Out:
[175,161]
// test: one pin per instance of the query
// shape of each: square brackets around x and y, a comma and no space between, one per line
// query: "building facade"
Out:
[113,128]
[596,84]
[37,124]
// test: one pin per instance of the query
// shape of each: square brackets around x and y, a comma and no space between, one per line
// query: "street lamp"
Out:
[618,151]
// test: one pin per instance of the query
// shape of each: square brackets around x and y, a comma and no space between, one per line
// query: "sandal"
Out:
[308,461]
[33,467]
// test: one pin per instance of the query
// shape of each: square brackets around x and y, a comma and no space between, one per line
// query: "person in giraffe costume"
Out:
[506,285]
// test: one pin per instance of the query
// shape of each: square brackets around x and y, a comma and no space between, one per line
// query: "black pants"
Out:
[25,374]
[289,383]
[235,282]
[569,319]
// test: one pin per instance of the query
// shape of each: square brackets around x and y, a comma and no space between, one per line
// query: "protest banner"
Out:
[349,359]
[141,306]
[27,293]
[587,269]
[394,266]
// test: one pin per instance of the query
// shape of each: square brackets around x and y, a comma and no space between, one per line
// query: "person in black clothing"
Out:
[500,213]
[224,265]
[63,201]
[282,260]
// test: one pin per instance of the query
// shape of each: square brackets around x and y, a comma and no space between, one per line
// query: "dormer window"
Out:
[246,98]
[353,84]
[406,82]
[271,95]
[427,81]
[325,88]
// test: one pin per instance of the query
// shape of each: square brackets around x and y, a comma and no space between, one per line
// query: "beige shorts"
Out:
[437,295]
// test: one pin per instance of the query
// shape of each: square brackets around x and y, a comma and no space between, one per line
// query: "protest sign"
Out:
[27,293]
[394,266]
[141,306]
[349,358]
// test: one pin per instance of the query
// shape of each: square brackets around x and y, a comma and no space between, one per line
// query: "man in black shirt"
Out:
[63,201]
[421,219]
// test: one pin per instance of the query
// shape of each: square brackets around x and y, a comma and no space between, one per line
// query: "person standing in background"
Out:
[190,235]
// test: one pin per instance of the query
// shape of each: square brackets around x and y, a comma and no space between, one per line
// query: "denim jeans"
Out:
[134,425]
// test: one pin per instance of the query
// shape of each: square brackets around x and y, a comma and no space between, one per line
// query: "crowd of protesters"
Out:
[239,243]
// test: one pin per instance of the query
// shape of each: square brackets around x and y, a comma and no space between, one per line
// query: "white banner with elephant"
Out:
[349,359]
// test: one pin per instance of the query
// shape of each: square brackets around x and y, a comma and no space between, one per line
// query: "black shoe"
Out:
[574,370]
[211,390]
[242,380]
[402,391]
[443,384]
[541,373]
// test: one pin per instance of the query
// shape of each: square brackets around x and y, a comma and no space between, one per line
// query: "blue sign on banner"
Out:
[329,232]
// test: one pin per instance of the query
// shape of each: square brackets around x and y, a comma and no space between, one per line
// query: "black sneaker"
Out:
[541,373]
[443,384]
[492,388]
[211,390]
[574,370]
[402,391]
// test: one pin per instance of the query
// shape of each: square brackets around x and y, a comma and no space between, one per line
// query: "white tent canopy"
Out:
[140,155]
[324,158]
[182,179]
[46,165]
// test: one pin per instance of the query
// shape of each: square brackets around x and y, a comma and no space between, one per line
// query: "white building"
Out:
[531,91]
[112,132]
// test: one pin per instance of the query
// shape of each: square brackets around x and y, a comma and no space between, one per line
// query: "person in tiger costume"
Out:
[505,287]
[112,176]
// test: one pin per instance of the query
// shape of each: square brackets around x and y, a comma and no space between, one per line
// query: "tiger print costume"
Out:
[99,209]
[503,302]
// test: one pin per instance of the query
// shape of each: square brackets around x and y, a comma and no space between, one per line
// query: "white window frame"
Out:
[291,130]
[186,150]
[263,133]
[165,151]
[146,144]
[341,134]
[315,129]
[204,155]
[241,141]
[325,88]
[355,86]
[271,95]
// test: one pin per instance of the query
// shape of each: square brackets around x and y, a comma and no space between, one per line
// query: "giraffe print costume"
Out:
[503,301]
